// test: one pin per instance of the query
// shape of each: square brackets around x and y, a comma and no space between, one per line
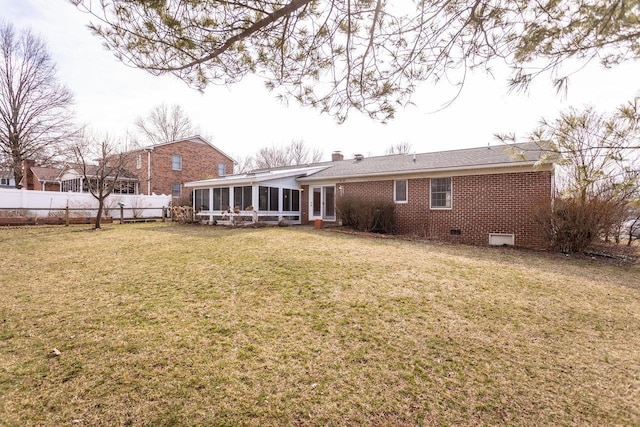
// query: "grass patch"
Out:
[162,324]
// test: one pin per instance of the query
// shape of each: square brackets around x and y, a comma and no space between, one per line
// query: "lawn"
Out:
[164,324]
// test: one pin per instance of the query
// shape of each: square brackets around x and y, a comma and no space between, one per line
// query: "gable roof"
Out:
[193,138]
[527,154]
[46,174]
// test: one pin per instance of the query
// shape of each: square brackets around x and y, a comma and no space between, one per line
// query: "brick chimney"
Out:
[336,156]
[27,174]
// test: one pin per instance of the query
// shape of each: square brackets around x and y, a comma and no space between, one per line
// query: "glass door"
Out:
[323,203]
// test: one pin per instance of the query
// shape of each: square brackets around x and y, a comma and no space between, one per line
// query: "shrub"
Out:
[573,224]
[363,214]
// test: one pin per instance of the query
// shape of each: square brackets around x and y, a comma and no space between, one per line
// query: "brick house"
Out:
[40,178]
[160,169]
[164,168]
[478,196]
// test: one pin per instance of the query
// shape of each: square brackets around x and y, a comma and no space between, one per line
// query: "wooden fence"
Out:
[68,215]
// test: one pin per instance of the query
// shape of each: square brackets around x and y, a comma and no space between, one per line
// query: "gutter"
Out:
[432,171]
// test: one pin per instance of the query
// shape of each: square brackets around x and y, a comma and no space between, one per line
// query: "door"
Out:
[322,203]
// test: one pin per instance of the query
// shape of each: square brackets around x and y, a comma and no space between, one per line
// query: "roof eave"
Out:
[533,164]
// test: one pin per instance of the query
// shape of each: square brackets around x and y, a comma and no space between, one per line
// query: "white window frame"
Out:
[139,162]
[323,203]
[406,191]
[175,158]
[450,194]
[222,169]
[173,184]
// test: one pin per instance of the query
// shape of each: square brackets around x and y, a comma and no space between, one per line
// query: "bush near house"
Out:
[363,214]
[574,224]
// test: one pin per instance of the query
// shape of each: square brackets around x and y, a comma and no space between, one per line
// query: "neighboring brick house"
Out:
[156,169]
[164,168]
[40,178]
[477,196]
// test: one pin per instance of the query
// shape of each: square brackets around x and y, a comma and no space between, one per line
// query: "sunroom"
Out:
[267,196]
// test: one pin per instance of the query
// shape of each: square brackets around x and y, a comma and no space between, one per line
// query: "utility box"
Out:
[501,239]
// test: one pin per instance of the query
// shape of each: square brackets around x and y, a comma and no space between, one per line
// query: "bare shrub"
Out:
[573,224]
[364,214]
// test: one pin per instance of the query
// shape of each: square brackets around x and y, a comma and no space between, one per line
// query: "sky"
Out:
[242,118]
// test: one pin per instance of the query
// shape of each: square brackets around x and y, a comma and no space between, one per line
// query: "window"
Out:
[176,163]
[221,199]
[440,193]
[290,200]
[201,200]
[242,197]
[273,198]
[222,169]
[139,162]
[4,181]
[400,191]
[268,198]
[176,189]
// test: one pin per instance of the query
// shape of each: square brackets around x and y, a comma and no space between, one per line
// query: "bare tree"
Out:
[300,153]
[598,175]
[400,148]
[102,177]
[366,55]
[35,110]
[243,163]
[296,153]
[165,124]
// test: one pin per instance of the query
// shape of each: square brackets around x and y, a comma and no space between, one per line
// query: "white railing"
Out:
[223,217]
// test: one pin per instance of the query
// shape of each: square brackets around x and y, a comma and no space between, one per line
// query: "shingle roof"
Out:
[45,174]
[92,170]
[512,155]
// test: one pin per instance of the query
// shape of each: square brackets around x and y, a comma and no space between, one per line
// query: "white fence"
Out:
[46,203]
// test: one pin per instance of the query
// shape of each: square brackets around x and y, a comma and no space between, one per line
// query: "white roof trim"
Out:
[252,178]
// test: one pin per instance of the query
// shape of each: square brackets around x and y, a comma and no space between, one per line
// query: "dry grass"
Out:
[182,325]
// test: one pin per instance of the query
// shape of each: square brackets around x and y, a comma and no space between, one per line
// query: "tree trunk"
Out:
[99,214]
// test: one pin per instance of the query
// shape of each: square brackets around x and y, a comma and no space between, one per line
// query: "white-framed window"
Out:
[268,198]
[176,189]
[4,181]
[242,197]
[440,193]
[176,162]
[222,169]
[139,162]
[400,191]
[290,200]
[201,199]
[221,199]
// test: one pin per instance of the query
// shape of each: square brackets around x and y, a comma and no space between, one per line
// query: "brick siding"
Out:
[199,161]
[481,204]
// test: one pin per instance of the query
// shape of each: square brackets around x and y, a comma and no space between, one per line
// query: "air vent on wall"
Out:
[501,239]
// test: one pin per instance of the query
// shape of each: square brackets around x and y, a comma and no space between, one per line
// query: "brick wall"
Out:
[304,205]
[46,186]
[481,204]
[199,161]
